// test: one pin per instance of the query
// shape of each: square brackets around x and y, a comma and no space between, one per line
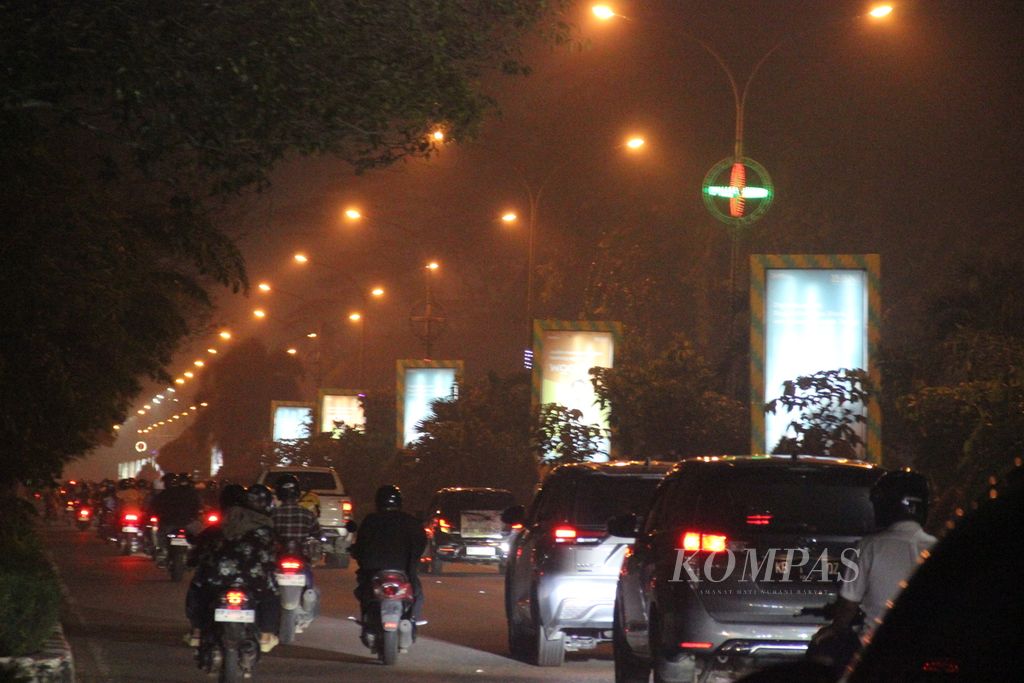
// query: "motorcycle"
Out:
[388,626]
[129,538]
[83,517]
[298,599]
[233,642]
[176,550]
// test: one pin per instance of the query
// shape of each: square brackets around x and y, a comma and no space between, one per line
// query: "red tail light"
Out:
[759,520]
[235,598]
[444,525]
[154,520]
[694,541]
[212,518]
[687,645]
[346,507]
[83,512]
[290,565]
[131,518]
[570,534]
[516,527]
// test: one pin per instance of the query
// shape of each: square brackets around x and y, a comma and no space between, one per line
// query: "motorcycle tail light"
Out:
[154,520]
[235,598]
[290,565]
[393,591]
[694,541]
[84,512]
[212,518]
[131,518]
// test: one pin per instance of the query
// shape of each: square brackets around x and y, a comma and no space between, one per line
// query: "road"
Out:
[125,621]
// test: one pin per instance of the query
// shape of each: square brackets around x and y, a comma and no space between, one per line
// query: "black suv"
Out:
[563,564]
[464,525]
[734,562]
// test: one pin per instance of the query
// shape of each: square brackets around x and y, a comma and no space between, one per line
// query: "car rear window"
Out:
[600,497]
[832,501]
[308,481]
[456,501]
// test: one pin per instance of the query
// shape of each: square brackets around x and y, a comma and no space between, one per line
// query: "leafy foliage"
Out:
[663,405]
[29,594]
[828,405]
[562,437]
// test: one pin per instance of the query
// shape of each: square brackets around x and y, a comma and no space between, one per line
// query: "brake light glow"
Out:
[154,520]
[759,520]
[291,565]
[444,525]
[694,541]
[346,506]
[83,512]
[564,534]
[212,518]
[944,666]
[131,518]
[517,527]
[235,598]
[688,645]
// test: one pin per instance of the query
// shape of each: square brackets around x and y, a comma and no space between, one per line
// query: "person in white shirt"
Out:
[884,559]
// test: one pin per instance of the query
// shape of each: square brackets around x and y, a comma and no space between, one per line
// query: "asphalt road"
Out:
[125,621]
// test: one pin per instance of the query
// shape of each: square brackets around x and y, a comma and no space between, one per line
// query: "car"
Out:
[464,525]
[335,507]
[563,564]
[734,562]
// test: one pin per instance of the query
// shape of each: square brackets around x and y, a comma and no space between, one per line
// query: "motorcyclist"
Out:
[883,561]
[389,539]
[176,507]
[242,553]
[129,497]
[294,525]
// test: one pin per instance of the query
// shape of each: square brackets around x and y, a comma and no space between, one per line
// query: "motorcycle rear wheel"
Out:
[388,647]
[176,565]
[231,667]
[288,619]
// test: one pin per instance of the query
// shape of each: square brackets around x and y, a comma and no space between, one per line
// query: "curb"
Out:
[53,663]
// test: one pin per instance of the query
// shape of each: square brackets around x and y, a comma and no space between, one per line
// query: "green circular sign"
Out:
[737,191]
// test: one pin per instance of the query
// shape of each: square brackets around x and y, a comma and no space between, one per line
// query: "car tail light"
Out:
[516,527]
[154,520]
[943,666]
[346,507]
[696,541]
[570,534]
[759,520]
[235,598]
[83,512]
[131,518]
[212,518]
[290,565]
[444,525]
[689,645]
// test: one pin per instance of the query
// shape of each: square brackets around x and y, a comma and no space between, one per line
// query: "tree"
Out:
[828,404]
[127,124]
[664,404]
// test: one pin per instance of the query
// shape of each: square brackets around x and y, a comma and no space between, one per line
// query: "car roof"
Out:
[471,489]
[773,461]
[614,467]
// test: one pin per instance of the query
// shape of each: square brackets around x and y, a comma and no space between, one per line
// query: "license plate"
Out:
[291,579]
[179,541]
[130,529]
[480,551]
[391,614]
[240,616]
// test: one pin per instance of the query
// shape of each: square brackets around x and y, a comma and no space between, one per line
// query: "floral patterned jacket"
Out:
[243,551]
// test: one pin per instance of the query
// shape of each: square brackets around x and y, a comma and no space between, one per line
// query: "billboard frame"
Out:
[274,405]
[759,265]
[330,391]
[403,364]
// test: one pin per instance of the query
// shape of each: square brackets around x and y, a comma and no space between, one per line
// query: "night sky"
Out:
[900,137]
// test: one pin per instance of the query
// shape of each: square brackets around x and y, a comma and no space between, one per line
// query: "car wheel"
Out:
[436,564]
[546,652]
[518,634]
[665,670]
[628,667]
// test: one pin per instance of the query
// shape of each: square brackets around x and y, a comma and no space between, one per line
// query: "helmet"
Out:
[232,495]
[168,479]
[389,497]
[287,488]
[259,498]
[900,495]
[124,484]
[184,479]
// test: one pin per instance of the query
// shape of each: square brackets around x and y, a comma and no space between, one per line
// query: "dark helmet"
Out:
[232,495]
[259,498]
[287,488]
[184,479]
[389,497]
[168,479]
[899,495]
[124,484]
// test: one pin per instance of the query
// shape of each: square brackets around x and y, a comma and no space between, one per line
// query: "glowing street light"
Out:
[212,351]
[353,214]
[635,142]
[224,334]
[259,313]
[603,12]
[292,351]
[198,363]
[377,292]
[301,258]
[355,317]
[263,287]
[509,217]
[881,11]
[189,374]
[433,265]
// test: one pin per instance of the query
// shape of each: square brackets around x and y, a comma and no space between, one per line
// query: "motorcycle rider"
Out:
[883,560]
[295,527]
[389,539]
[176,507]
[244,552]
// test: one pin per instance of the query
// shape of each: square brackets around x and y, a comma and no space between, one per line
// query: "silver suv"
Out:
[734,562]
[563,564]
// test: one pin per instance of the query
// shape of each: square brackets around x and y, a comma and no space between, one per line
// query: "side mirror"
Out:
[514,515]
[624,526]
[351,526]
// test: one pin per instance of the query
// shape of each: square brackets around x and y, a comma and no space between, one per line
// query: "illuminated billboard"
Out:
[808,314]
[340,406]
[563,353]
[290,420]
[419,383]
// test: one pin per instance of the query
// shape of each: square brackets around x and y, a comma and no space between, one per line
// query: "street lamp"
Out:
[534,194]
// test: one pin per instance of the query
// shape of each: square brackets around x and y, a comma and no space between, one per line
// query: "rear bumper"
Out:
[482,551]
[335,540]
[577,602]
